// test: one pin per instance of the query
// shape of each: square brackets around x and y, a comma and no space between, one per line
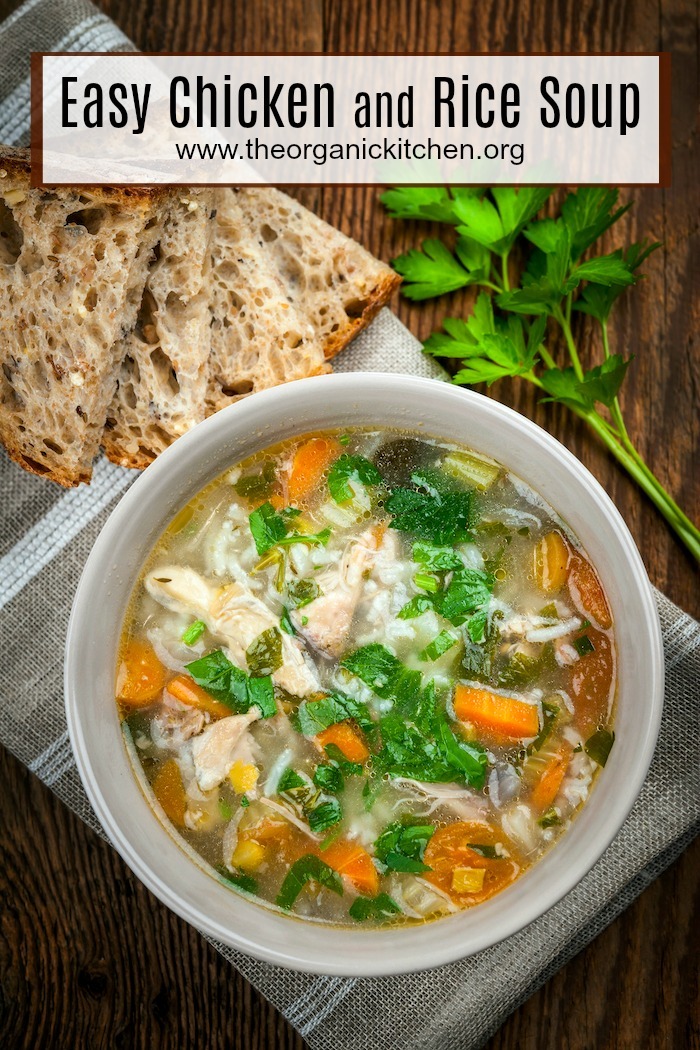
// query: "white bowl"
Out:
[436,409]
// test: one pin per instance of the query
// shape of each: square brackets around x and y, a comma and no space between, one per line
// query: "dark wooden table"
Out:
[88,958]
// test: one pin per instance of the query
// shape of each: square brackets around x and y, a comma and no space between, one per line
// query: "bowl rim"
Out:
[375,960]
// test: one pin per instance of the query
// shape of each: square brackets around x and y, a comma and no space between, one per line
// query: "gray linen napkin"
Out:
[45,538]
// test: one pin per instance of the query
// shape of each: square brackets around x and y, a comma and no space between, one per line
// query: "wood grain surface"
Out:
[88,958]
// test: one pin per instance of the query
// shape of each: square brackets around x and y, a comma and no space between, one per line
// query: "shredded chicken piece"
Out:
[174,724]
[220,745]
[325,622]
[234,614]
[462,802]
[287,813]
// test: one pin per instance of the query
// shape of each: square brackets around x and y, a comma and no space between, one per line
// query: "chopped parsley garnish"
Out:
[290,781]
[550,819]
[383,672]
[599,746]
[194,632]
[441,644]
[231,686]
[325,815]
[583,645]
[436,559]
[309,868]
[489,852]
[313,716]
[269,529]
[239,880]
[301,592]
[286,624]
[264,654]
[441,518]
[336,756]
[380,907]
[257,486]
[351,468]
[329,778]
[401,846]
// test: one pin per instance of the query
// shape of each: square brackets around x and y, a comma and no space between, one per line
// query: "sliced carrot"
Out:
[551,559]
[590,683]
[587,591]
[310,461]
[451,849]
[547,787]
[504,716]
[141,674]
[170,792]
[184,689]
[353,861]
[348,739]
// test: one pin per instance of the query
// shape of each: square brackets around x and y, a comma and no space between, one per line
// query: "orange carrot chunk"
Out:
[547,787]
[170,792]
[348,739]
[184,689]
[504,716]
[587,592]
[353,861]
[141,674]
[310,461]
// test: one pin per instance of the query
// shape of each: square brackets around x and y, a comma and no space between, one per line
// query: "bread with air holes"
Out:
[73,264]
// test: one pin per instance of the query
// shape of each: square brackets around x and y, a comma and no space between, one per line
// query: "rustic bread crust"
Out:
[72,267]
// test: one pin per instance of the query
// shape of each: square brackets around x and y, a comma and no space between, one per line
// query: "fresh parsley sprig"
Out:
[513,324]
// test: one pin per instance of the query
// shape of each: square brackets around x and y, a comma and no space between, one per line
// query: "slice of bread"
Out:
[335,284]
[163,378]
[258,337]
[72,268]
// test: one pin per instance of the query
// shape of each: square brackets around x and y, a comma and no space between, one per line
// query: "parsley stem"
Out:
[504,270]
[648,482]
[558,314]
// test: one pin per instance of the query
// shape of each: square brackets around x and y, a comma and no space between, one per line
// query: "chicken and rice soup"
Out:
[368,678]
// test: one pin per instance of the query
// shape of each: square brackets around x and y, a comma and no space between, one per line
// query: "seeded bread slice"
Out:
[163,378]
[73,264]
[259,338]
[335,284]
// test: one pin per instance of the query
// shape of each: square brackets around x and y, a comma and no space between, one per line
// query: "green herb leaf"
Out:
[468,590]
[351,468]
[329,778]
[441,518]
[285,623]
[599,746]
[426,202]
[380,907]
[313,716]
[267,526]
[436,559]
[496,226]
[256,486]
[431,271]
[264,654]
[550,819]
[583,645]
[601,383]
[194,632]
[239,880]
[401,846]
[325,815]
[384,673]
[269,529]
[290,781]
[441,644]
[489,852]
[309,868]
[231,686]
[336,756]
[301,592]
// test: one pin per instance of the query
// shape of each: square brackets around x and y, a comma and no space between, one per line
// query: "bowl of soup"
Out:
[363,674]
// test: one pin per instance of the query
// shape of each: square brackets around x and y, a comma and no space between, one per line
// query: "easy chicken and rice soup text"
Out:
[368,678]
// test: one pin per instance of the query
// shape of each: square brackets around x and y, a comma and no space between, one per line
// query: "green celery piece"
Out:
[476,470]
